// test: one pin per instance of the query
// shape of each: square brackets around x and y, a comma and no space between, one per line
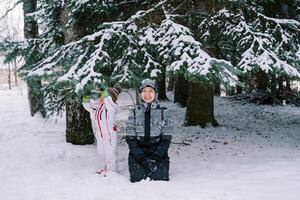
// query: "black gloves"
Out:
[149,164]
[134,148]
[162,148]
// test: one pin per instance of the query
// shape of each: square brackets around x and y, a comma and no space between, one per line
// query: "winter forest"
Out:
[228,71]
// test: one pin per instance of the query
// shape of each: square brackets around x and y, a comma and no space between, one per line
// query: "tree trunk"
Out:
[200,106]
[288,83]
[273,84]
[137,94]
[78,124]
[35,96]
[161,83]
[15,72]
[30,25]
[261,81]
[171,84]
[217,89]
[230,91]
[9,72]
[181,91]
[36,103]
[137,97]
[239,89]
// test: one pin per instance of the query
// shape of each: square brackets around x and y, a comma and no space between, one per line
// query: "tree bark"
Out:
[288,83]
[261,81]
[239,89]
[137,93]
[78,124]
[15,72]
[30,25]
[161,83]
[230,91]
[273,84]
[200,105]
[35,96]
[171,84]
[36,104]
[181,91]
[217,89]
[9,74]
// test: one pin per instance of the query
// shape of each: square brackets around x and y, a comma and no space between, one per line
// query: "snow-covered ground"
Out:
[253,155]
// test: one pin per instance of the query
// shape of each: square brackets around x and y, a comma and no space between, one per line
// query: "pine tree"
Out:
[263,47]
[185,56]
[117,48]
[181,90]
[127,51]
[35,94]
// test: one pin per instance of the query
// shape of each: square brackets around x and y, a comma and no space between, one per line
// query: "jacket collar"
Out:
[153,105]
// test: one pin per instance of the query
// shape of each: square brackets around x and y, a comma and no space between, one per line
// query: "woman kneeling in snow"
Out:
[103,108]
[147,128]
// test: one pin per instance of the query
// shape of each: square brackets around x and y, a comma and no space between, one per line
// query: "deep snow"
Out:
[253,155]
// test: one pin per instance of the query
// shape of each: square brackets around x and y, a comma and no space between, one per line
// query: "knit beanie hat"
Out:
[114,92]
[148,83]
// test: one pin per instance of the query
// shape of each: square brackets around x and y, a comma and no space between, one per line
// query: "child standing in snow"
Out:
[103,108]
[148,137]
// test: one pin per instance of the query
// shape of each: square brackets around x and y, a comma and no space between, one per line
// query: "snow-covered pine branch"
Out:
[261,42]
[182,53]
[117,50]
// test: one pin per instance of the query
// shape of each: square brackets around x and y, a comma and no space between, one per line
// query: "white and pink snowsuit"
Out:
[102,118]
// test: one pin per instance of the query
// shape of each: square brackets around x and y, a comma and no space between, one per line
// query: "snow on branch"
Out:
[178,47]
[280,21]
[261,42]
[140,14]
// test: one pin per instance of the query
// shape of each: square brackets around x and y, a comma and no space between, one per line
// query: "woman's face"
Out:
[148,94]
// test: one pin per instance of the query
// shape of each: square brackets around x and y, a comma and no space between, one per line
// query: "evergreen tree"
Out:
[184,56]
[117,48]
[263,47]
[35,95]
[181,90]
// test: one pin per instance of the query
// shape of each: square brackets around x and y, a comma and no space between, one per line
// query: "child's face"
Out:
[148,94]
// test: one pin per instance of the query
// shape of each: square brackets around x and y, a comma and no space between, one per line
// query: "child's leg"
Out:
[136,170]
[161,171]
[101,152]
[110,150]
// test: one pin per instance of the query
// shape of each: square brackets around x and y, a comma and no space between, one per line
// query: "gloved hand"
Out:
[155,157]
[95,94]
[149,164]
[104,94]
[85,99]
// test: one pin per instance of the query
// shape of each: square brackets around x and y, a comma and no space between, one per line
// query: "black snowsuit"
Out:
[148,143]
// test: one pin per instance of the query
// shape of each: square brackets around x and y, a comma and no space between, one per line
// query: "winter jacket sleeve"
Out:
[166,126]
[112,109]
[162,148]
[130,125]
[134,148]
[89,104]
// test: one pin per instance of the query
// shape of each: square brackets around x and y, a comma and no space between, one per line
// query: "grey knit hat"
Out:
[148,83]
